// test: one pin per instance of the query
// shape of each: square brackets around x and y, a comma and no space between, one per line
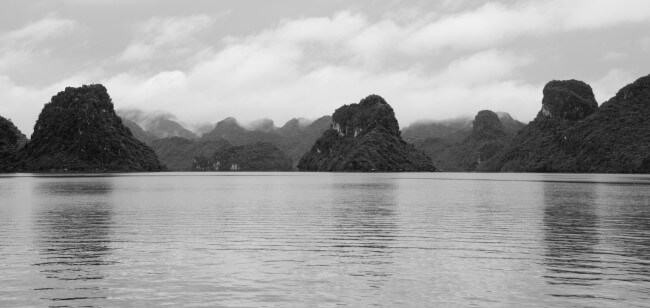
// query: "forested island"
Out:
[79,131]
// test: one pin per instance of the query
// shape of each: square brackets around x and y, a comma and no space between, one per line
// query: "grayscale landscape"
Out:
[324,153]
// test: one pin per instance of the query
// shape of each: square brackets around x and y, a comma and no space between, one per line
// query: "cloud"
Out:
[166,35]
[19,47]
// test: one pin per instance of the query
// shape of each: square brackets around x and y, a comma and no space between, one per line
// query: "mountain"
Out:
[260,156]
[294,138]
[138,132]
[178,154]
[468,152]
[422,130]
[78,130]
[157,124]
[572,134]
[364,137]
[11,140]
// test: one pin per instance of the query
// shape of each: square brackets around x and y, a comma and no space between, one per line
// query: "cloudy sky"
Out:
[207,60]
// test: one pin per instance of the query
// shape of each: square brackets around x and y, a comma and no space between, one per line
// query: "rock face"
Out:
[179,154]
[469,152]
[78,130]
[11,140]
[570,100]
[614,137]
[261,156]
[364,137]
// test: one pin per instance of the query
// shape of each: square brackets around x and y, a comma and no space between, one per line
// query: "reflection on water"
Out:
[74,230]
[365,225]
[571,236]
[303,239]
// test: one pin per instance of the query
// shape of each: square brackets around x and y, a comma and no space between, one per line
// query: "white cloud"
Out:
[166,35]
[39,31]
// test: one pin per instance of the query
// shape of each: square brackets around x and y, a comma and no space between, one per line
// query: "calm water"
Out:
[303,239]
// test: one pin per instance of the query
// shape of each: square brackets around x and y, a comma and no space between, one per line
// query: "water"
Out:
[305,239]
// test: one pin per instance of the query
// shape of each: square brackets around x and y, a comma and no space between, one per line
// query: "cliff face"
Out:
[261,156]
[470,151]
[364,137]
[11,140]
[78,130]
[570,135]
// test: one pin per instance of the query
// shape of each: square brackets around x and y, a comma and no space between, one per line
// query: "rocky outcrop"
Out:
[614,137]
[570,100]
[78,130]
[11,140]
[261,156]
[364,137]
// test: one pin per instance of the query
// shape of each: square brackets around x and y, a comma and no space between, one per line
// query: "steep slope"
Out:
[156,124]
[11,140]
[260,156]
[364,137]
[570,134]
[78,130]
[179,154]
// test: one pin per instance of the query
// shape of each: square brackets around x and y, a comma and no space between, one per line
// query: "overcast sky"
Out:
[207,60]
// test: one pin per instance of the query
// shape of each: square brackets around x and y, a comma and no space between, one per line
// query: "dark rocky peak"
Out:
[79,130]
[487,125]
[567,99]
[370,113]
[634,89]
[11,138]
[263,125]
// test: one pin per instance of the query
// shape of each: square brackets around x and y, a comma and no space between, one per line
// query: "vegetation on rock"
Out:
[469,151]
[364,137]
[11,140]
[78,130]
[179,154]
[569,135]
[260,156]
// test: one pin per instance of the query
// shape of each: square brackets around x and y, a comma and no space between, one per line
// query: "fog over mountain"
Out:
[278,60]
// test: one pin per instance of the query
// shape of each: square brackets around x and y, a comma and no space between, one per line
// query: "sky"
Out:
[203,61]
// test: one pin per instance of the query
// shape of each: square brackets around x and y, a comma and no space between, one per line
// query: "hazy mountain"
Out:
[157,124]
[469,151]
[260,156]
[179,154]
[364,137]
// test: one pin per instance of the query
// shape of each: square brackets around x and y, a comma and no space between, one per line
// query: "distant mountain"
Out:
[422,130]
[138,132]
[11,140]
[294,138]
[469,151]
[572,134]
[159,125]
[364,137]
[179,154]
[78,130]
[260,156]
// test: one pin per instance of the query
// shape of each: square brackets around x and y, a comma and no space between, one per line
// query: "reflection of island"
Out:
[365,225]
[571,234]
[74,230]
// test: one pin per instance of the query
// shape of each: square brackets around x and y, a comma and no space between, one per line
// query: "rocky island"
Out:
[364,137]
[79,131]
[11,140]
[572,134]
